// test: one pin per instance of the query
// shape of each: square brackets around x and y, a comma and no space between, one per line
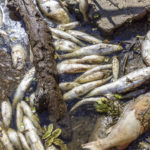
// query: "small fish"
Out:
[23,86]
[19,118]
[85,101]
[123,84]
[133,122]
[32,98]
[1,17]
[68,26]
[146,49]
[92,59]
[65,86]
[98,49]
[3,33]
[5,140]
[13,136]
[66,36]
[73,68]
[23,141]
[19,55]
[6,110]
[84,37]
[31,55]
[93,70]
[115,68]
[53,10]
[65,45]
[92,77]
[84,88]
[83,6]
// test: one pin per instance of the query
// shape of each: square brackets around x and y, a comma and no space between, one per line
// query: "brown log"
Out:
[48,91]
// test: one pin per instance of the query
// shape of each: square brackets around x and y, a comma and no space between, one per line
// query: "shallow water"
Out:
[83,119]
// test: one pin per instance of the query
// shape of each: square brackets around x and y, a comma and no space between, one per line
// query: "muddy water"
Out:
[83,119]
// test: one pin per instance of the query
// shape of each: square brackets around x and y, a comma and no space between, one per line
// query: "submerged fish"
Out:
[65,86]
[124,84]
[115,68]
[68,26]
[19,56]
[84,88]
[98,49]
[84,37]
[13,136]
[23,86]
[146,49]
[92,59]
[54,10]
[83,6]
[65,45]
[66,36]
[134,121]
[73,68]
[6,110]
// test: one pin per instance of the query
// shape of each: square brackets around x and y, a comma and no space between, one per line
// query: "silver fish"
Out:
[85,101]
[1,17]
[83,6]
[23,86]
[19,56]
[5,140]
[32,98]
[23,141]
[92,59]
[84,88]
[93,70]
[66,36]
[31,55]
[19,118]
[92,77]
[115,68]
[98,49]
[6,110]
[73,68]
[131,125]
[68,26]
[146,49]
[124,84]
[65,45]
[84,37]
[13,136]
[65,86]
[54,10]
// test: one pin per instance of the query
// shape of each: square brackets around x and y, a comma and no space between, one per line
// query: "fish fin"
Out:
[95,145]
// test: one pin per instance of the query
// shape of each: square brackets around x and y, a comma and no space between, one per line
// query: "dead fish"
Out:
[1,17]
[85,101]
[115,68]
[13,136]
[65,86]
[19,56]
[53,9]
[23,86]
[73,68]
[134,121]
[146,49]
[124,84]
[92,59]
[23,141]
[65,45]
[66,36]
[84,88]
[68,26]
[83,6]
[5,140]
[19,118]
[98,49]
[6,110]
[31,135]
[84,36]
[92,77]
[93,70]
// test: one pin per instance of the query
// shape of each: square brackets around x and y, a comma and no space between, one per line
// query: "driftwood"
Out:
[48,92]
